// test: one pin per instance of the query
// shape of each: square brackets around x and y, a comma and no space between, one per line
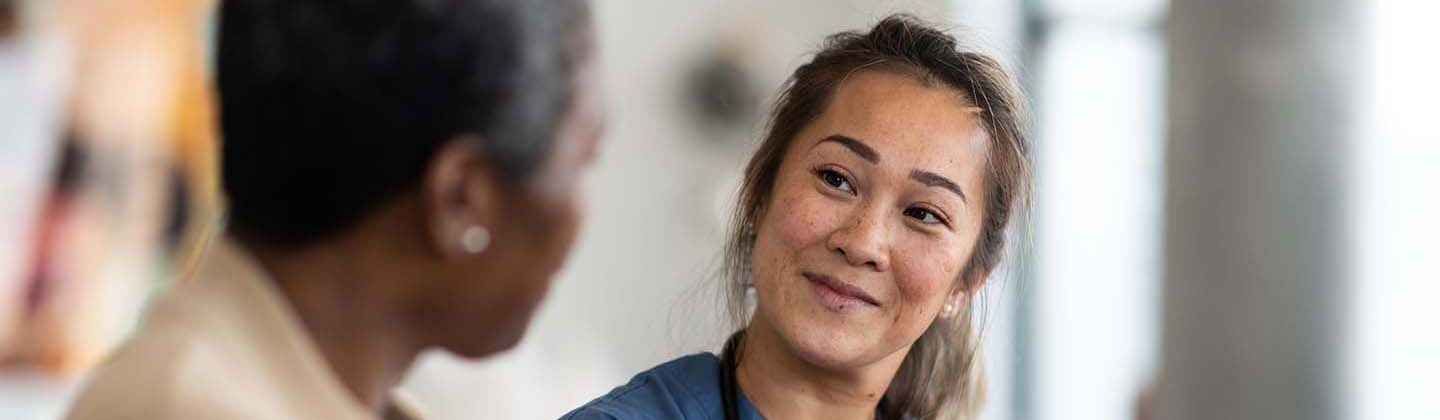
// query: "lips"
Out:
[838,292]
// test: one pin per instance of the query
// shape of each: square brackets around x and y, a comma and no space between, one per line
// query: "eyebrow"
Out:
[931,179]
[857,146]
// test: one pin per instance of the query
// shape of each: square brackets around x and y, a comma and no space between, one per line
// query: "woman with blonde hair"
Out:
[874,209]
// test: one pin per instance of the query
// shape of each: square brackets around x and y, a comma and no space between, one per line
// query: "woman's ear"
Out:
[959,299]
[954,303]
[459,199]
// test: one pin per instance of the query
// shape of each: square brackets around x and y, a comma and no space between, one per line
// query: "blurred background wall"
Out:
[1073,322]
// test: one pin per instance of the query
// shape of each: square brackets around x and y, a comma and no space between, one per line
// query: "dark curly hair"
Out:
[330,107]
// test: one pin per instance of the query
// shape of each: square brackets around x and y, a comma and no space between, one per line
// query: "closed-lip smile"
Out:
[840,287]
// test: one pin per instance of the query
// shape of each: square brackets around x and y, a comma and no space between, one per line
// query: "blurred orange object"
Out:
[136,194]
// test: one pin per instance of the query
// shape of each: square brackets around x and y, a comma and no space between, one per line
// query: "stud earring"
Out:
[475,239]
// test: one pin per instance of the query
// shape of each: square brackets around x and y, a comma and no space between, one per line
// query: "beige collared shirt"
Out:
[223,345]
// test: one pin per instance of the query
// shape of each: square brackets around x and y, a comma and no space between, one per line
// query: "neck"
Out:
[782,385]
[339,292]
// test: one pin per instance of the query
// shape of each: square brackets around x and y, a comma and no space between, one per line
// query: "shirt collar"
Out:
[236,286]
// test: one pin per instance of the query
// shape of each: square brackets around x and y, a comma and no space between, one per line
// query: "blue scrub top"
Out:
[684,388]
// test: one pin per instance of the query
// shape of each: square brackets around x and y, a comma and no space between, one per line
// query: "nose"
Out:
[863,240]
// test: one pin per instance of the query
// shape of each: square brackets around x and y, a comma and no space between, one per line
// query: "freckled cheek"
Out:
[804,218]
[788,226]
[924,277]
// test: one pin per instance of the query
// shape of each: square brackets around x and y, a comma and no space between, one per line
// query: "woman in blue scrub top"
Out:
[873,210]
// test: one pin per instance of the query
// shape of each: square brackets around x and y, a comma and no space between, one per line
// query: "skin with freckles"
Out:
[876,207]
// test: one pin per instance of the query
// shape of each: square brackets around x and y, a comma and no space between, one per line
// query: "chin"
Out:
[485,348]
[826,345]
[482,343]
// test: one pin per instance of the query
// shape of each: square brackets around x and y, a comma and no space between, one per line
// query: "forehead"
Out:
[910,124]
[577,133]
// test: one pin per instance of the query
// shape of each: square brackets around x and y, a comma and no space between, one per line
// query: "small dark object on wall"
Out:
[721,93]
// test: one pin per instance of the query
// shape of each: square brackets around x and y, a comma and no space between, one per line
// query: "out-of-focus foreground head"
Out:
[466,122]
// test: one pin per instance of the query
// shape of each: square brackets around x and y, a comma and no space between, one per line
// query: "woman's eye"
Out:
[835,179]
[923,215]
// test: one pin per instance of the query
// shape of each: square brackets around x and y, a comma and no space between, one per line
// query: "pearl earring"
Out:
[949,309]
[475,239]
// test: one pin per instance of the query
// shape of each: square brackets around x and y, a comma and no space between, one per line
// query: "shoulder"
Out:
[684,388]
[170,369]
[148,378]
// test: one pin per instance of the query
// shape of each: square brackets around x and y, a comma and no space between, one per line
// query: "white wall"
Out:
[1099,87]
[1394,349]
